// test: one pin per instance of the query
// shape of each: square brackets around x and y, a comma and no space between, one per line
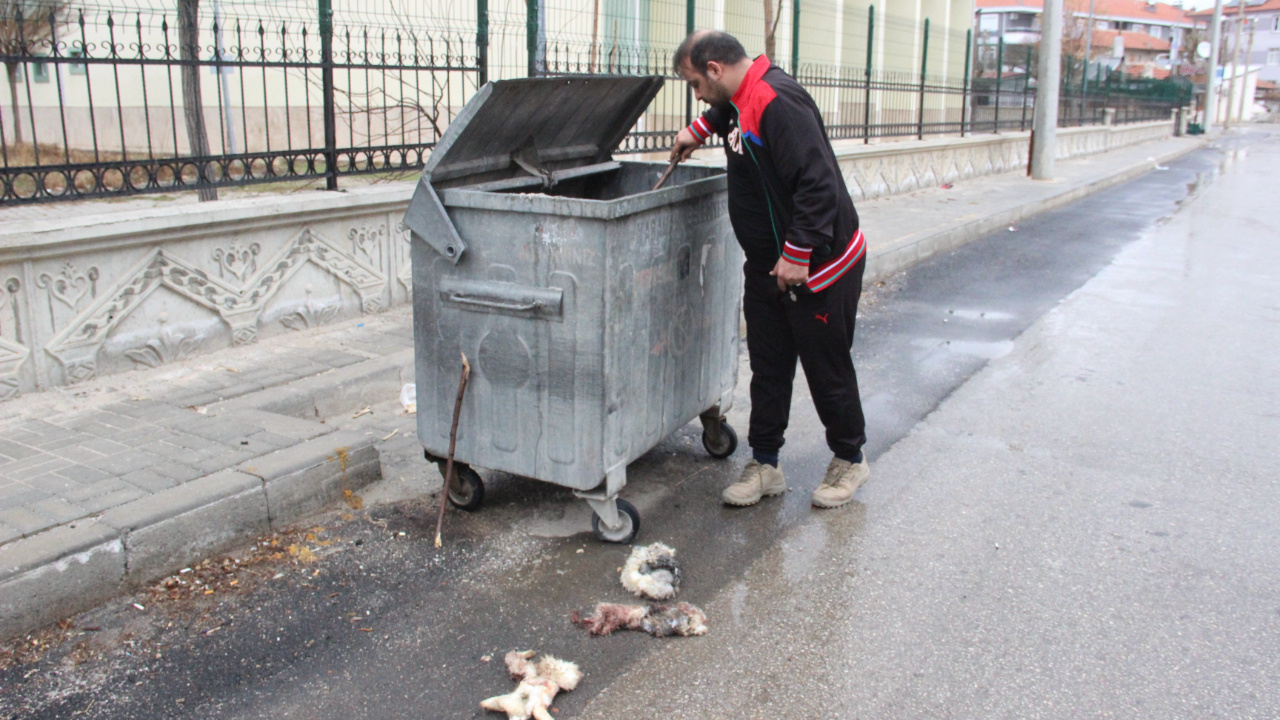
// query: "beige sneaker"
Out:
[842,481]
[757,481]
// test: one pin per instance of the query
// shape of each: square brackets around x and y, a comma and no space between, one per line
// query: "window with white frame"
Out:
[1020,21]
[1273,56]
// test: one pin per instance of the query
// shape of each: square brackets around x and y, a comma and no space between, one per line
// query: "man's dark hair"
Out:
[702,48]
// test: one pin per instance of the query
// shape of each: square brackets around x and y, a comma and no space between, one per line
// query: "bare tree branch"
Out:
[771,28]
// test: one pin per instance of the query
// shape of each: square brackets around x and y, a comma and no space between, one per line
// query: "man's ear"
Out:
[715,71]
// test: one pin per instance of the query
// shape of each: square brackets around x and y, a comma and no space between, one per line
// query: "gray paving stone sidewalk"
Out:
[68,454]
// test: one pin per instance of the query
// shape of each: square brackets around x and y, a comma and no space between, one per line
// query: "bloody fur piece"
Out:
[539,683]
[659,620]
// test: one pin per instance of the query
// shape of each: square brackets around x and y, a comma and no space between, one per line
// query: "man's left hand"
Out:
[789,273]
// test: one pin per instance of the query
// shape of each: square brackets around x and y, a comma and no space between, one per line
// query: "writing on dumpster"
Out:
[560,243]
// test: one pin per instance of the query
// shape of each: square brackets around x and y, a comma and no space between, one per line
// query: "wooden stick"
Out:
[667,173]
[453,443]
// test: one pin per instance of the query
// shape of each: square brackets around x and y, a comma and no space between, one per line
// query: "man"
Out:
[793,216]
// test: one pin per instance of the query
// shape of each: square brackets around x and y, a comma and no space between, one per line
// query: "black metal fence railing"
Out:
[861,105]
[107,102]
[666,115]
[1010,105]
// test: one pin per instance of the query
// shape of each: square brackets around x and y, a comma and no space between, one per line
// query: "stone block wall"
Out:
[892,168]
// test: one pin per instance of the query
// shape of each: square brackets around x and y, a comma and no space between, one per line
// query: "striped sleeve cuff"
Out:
[796,254]
[700,130]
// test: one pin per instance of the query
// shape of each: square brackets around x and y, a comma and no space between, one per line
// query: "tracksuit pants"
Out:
[817,329]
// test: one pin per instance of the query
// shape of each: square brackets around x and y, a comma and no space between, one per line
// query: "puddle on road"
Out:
[986,350]
[1228,160]
[992,315]
[1231,158]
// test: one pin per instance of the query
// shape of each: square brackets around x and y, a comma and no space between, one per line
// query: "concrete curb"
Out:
[300,480]
[74,567]
[904,252]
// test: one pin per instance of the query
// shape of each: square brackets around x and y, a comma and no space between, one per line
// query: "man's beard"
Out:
[722,101]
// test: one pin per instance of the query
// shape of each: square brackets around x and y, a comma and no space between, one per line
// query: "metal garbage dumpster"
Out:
[599,315]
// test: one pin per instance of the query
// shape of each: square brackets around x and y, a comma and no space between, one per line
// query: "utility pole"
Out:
[1235,66]
[1044,128]
[1088,53]
[1211,89]
[1244,83]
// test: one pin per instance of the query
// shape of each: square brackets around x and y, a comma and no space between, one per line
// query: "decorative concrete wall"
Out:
[92,295]
[100,294]
[890,168]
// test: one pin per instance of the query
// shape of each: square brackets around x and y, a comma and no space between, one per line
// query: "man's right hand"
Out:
[686,143]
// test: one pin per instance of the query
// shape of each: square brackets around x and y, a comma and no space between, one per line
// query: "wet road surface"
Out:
[1094,574]
[1085,528]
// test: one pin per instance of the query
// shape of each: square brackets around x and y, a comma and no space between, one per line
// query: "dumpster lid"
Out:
[526,132]
[513,127]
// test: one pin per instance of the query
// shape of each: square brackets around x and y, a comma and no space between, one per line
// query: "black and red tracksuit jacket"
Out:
[787,197]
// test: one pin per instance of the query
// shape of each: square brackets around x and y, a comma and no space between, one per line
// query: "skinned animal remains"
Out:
[659,620]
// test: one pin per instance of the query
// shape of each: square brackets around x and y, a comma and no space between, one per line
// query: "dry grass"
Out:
[24,155]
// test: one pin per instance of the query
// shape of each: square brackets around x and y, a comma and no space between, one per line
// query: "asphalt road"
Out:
[1072,513]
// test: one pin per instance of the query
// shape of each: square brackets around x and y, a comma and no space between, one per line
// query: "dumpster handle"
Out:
[518,307]
[502,297]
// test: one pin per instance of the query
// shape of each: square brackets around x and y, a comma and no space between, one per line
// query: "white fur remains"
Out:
[651,571]
[539,683]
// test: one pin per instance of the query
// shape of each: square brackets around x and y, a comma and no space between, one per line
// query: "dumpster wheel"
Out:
[469,493]
[725,445]
[625,532]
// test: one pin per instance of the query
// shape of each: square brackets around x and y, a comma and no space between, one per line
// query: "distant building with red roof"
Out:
[1262,26]
[1152,34]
